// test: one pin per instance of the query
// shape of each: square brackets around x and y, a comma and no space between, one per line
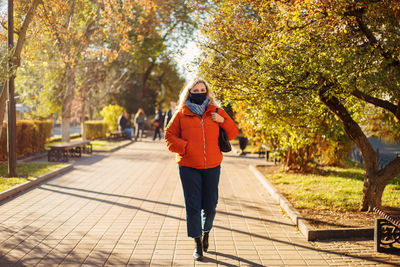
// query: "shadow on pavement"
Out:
[33,246]
[220,227]
[162,203]
[89,159]
[239,259]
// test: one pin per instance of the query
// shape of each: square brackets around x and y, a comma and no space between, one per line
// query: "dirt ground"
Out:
[328,219]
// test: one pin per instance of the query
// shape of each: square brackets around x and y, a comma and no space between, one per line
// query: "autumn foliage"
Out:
[302,74]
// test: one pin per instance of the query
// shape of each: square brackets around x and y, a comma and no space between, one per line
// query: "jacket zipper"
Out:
[204,143]
[204,137]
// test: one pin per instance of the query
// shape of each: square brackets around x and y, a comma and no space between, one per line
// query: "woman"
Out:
[140,117]
[193,135]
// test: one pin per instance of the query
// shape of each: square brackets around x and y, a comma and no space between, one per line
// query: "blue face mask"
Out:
[198,98]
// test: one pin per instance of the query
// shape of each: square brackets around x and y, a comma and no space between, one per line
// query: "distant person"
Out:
[158,124]
[124,125]
[193,135]
[169,113]
[140,118]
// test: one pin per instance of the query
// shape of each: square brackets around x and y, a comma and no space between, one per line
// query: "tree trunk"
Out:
[90,106]
[3,101]
[375,184]
[372,192]
[145,77]
[17,56]
[289,160]
[65,125]
[67,102]
[83,117]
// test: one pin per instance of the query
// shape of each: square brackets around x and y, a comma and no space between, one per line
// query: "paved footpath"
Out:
[126,209]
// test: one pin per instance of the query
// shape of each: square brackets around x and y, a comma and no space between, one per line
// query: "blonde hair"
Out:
[183,96]
[139,112]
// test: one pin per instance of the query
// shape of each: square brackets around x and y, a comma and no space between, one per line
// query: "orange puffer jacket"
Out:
[195,138]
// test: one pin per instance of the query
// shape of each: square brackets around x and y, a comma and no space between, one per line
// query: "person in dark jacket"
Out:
[124,125]
[158,124]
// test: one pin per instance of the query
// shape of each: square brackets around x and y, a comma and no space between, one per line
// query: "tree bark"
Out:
[90,106]
[17,56]
[372,193]
[3,101]
[66,104]
[145,78]
[83,113]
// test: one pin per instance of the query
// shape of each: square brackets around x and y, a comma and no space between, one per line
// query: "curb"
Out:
[28,184]
[115,148]
[305,228]
[234,150]
[33,157]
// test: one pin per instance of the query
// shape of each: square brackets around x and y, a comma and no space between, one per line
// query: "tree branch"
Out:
[71,14]
[391,170]
[358,14]
[22,32]
[170,30]
[351,127]
[53,26]
[377,102]
[299,27]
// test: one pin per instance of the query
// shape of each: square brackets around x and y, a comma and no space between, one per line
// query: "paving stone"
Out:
[126,208]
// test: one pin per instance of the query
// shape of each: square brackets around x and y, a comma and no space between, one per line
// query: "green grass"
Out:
[26,171]
[57,138]
[336,188]
[104,144]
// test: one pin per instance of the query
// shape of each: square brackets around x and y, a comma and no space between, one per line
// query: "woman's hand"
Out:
[217,118]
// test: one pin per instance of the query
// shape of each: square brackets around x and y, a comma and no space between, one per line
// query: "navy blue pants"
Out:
[128,133]
[200,188]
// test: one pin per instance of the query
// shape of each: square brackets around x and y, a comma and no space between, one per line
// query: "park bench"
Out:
[74,149]
[116,135]
[387,230]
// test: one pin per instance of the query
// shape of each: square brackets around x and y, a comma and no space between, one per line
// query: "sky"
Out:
[186,61]
[3,6]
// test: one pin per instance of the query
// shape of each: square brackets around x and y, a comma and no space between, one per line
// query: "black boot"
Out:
[198,251]
[205,241]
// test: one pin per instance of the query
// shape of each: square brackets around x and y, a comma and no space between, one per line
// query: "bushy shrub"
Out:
[31,137]
[96,129]
[110,115]
[43,135]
